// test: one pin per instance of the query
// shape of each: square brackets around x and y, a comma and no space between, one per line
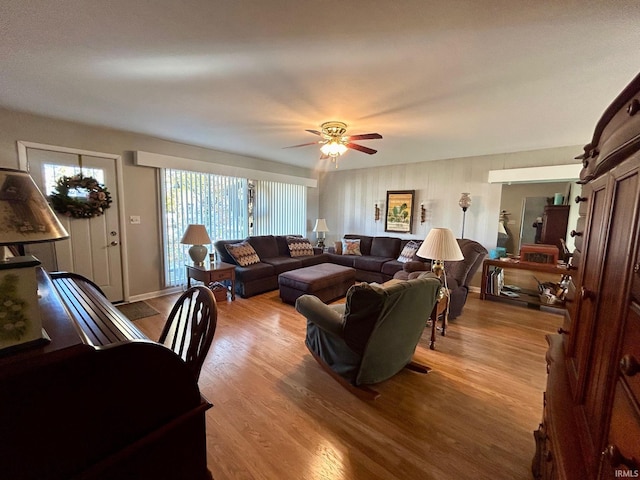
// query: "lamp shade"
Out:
[26,215]
[440,244]
[321,225]
[196,235]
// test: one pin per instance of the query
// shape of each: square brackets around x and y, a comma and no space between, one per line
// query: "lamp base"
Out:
[198,253]
[437,267]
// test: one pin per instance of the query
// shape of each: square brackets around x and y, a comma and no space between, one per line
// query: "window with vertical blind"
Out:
[223,205]
[279,208]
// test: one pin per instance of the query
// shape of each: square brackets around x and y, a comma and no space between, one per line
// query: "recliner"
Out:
[373,335]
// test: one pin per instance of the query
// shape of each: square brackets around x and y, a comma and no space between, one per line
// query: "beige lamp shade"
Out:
[440,244]
[197,236]
[26,215]
[321,225]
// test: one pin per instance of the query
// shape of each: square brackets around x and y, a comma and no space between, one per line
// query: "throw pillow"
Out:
[299,247]
[243,253]
[351,246]
[408,252]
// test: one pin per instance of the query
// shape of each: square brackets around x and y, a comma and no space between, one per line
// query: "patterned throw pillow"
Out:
[243,253]
[351,247]
[299,247]
[408,252]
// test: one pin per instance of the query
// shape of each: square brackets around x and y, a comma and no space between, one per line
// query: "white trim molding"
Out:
[158,160]
[552,173]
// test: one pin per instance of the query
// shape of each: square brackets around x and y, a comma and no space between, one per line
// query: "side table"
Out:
[439,310]
[213,272]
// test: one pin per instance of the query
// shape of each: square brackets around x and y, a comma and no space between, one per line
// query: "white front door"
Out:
[93,248]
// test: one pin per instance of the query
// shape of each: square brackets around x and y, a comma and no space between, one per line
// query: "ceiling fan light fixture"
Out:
[333,148]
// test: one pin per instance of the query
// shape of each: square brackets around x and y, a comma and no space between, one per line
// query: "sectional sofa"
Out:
[378,262]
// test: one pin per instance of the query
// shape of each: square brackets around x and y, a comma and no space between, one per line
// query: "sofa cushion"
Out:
[385,247]
[392,267]
[265,246]
[370,263]
[345,260]
[408,252]
[242,253]
[314,259]
[283,264]
[299,247]
[255,271]
[351,247]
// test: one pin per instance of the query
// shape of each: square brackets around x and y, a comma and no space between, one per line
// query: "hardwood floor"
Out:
[277,415]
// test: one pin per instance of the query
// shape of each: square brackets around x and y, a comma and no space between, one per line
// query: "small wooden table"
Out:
[440,310]
[213,272]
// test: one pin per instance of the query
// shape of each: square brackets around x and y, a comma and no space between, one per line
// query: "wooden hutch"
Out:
[591,416]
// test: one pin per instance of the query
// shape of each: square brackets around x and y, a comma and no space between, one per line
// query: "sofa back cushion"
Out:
[283,244]
[264,245]
[365,242]
[385,247]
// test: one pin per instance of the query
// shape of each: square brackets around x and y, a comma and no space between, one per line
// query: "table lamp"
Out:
[321,229]
[25,218]
[197,236]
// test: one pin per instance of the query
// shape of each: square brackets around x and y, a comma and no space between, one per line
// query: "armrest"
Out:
[326,317]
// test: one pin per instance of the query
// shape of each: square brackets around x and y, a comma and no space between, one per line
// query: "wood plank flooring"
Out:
[277,415]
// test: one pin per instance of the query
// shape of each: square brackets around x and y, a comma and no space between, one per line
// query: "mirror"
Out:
[520,205]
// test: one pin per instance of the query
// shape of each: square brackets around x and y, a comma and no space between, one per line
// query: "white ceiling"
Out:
[438,79]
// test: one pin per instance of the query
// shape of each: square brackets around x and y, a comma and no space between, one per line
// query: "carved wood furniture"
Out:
[554,225]
[591,421]
[100,401]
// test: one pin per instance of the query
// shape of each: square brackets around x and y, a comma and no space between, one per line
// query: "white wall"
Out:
[141,193]
[347,197]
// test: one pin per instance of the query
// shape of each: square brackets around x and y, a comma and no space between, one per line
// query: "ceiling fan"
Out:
[335,143]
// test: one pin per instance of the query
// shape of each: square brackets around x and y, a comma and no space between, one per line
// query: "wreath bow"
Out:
[92,201]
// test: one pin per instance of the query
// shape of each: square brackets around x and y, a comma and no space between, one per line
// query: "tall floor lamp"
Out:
[465,203]
[440,246]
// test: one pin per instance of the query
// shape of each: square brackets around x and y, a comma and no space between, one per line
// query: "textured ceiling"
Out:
[438,79]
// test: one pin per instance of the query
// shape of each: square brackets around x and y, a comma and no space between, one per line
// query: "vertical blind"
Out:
[280,208]
[215,201]
[221,204]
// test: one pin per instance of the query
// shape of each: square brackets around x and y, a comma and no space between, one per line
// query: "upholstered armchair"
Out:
[373,335]
[459,274]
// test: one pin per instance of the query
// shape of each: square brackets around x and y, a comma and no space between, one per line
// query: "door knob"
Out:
[114,243]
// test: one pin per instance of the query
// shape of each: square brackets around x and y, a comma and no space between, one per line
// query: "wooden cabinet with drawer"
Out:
[596,380]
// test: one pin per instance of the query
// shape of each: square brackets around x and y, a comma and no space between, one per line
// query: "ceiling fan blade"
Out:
[315,132]
[302,145]
[360,148]
[364,136]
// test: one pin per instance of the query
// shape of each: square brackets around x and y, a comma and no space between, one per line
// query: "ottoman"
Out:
[325,280]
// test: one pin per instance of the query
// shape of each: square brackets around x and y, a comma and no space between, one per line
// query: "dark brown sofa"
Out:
[274,259]
[379,260]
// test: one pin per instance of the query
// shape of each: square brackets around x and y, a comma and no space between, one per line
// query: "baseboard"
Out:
[160,293]
[474,289]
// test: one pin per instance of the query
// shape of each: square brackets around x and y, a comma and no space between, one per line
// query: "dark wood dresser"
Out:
[554,225]
[100,401]
[591,421]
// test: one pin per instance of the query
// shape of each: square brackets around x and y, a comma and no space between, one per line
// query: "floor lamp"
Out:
[440,246]
[465,203]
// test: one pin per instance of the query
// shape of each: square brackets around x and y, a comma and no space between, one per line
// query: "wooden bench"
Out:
[97,320]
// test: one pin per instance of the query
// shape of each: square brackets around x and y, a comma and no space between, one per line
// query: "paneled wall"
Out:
[347,197]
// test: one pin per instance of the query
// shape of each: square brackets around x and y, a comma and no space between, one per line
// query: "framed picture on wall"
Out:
[399,216]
